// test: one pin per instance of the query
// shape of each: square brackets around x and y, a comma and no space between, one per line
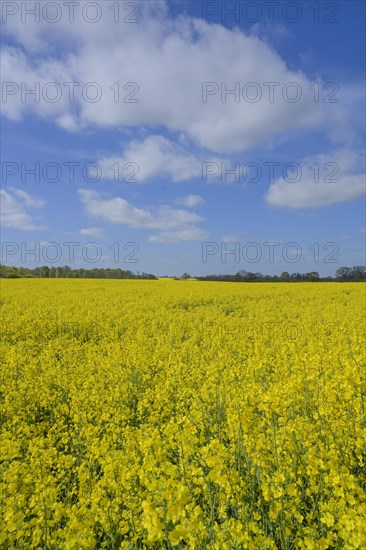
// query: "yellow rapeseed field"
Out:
[182,414]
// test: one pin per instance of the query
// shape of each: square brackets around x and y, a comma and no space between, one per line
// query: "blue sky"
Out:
[239,130]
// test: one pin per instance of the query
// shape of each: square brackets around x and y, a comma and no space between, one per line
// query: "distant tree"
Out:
[67,271]
[44,271]
[343,273]
[13,273]
[358,273]
[312,276]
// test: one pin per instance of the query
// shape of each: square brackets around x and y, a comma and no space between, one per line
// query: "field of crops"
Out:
[182,414]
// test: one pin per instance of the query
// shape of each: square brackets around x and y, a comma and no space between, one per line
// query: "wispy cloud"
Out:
[190,201]
[92,232]
[153,157]
[341,179]
[171,223]
[14,206]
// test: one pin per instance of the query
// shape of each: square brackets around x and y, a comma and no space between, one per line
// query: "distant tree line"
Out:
[11,272]
[356,273]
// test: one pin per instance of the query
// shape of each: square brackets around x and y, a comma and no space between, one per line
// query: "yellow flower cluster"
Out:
[180,414]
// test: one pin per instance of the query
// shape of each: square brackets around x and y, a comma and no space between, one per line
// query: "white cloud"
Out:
[271,32]
[92,232]
[345,167]
[169,60]
[190,201]
[187,234]
[230,239]
[153,157]
[168,221]
[14,204]
[27,199]
[363,230]
[20,76]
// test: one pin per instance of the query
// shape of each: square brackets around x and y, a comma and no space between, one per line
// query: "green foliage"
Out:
[66,272]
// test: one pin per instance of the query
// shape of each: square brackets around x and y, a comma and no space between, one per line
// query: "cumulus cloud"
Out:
[92,232]
[155,156]
[230,239]
[27,199]
[190,201]
[171,223]
[180,70]
[14,204]
[187,234]
[321,181]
